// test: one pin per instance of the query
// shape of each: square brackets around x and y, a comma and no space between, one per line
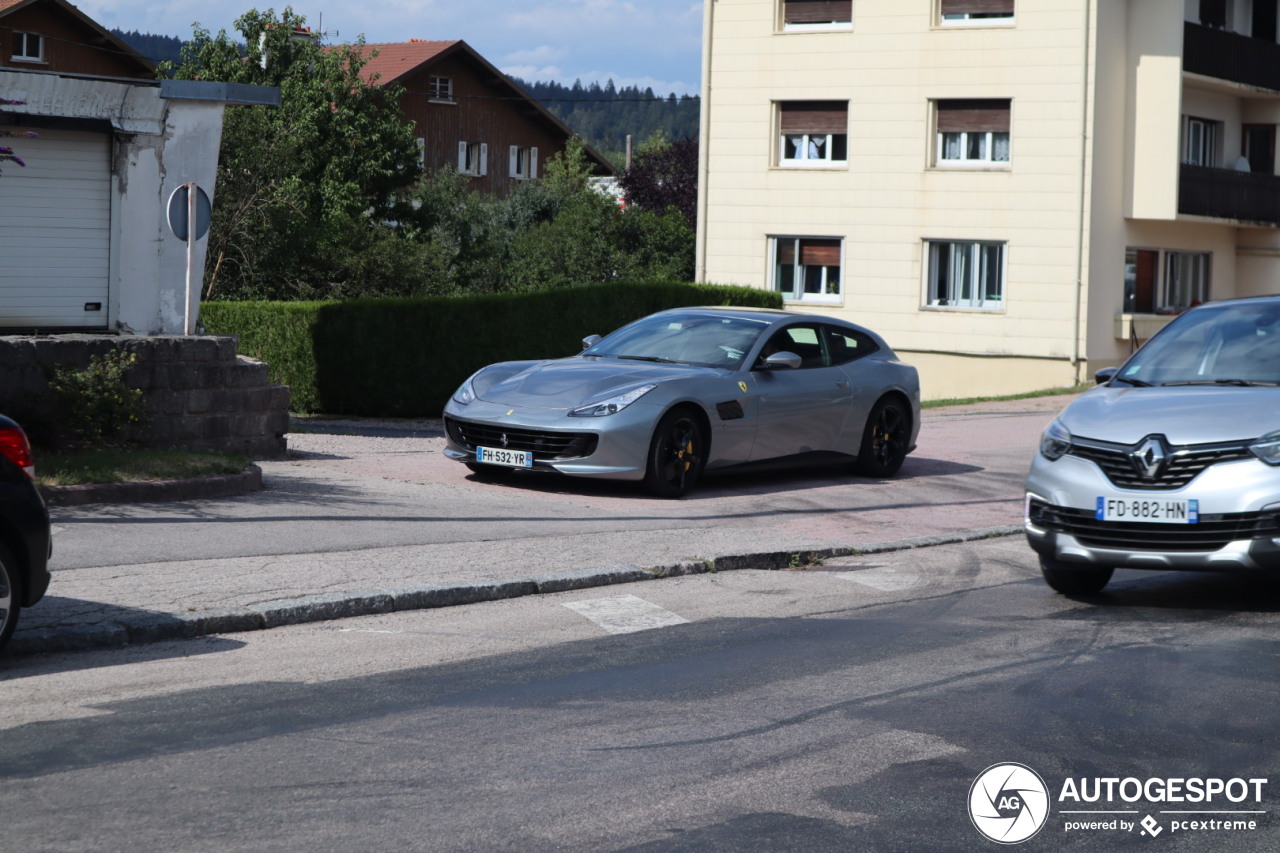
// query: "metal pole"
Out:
[188,323]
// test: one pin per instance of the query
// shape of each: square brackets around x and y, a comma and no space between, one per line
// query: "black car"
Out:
[24,529]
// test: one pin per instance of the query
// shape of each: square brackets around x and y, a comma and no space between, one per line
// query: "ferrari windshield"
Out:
[1231,343]
[701,339]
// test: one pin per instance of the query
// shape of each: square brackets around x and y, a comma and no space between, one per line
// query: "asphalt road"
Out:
[364,517]
[843,706]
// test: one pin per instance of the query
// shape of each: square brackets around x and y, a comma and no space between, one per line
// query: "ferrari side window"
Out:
[845,345]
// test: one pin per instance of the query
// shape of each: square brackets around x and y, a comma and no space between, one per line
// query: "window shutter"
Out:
[513,161]
[814,116]
[462,157]
[820,253]
[484,158]
[977,7]
[533,162]
[817,11]
[979,115]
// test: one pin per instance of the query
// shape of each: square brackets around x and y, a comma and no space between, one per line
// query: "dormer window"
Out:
[28,47]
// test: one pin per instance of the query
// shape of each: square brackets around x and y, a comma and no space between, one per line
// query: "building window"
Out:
[28,47]
[1158,281]
[807,269]
[813,134]
[975,13]
[1200,141]
[1186,281]
[522,163]
[802,15]
[1213,13]
[440,89]
[968,274]
[972,132]
[473,158]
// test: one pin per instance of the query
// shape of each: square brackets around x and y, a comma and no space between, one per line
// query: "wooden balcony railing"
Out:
[1230,56]
[1228,194]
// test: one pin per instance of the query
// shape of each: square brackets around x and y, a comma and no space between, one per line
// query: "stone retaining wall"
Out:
[199,393]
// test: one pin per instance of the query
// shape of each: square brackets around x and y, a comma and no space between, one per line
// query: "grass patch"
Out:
[1047,392]
[113,465]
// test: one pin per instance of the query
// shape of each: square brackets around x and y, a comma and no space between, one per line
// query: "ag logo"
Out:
[1008,803]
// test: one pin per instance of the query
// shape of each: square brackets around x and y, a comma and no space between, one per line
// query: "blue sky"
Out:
[644,43]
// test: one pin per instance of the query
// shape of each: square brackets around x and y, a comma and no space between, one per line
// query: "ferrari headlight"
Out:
[1267,448]
[1055,442]
[613,405]
[465,393]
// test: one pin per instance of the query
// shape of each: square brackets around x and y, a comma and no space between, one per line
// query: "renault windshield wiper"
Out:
[1138,383]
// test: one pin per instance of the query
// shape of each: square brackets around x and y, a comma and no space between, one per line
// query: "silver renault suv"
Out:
[1173,461]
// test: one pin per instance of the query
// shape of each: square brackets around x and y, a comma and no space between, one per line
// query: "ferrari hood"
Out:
[1183,414]
[571,382]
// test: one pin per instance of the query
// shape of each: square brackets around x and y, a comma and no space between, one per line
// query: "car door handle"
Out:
[841,383]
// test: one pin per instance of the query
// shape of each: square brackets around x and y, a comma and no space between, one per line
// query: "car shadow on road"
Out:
[1147,596]
[769,478]
[60,624]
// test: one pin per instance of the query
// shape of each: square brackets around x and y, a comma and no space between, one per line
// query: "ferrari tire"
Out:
[1070,580]
[677,455]
[885,439]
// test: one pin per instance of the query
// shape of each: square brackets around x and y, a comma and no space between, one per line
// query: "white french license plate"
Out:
[1157,510]
[502,456]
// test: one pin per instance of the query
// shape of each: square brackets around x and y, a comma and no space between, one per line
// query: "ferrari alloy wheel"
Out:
[676,455]
[1069,580]
[885,439]
[8,596]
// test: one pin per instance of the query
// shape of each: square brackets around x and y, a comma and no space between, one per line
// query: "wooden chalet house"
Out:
[470,115]
[53,35]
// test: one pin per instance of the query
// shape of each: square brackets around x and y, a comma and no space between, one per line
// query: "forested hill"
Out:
[605,115]
[156,48]
[602,115]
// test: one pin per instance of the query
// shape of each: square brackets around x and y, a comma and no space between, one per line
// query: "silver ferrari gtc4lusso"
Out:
[689,390]
[1173,462]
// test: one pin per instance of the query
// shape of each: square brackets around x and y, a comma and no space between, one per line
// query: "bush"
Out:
[405,357]
[93,404]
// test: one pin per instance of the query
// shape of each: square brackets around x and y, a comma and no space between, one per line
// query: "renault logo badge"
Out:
[1150,458]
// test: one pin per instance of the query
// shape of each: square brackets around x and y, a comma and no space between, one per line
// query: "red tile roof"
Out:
[397,58]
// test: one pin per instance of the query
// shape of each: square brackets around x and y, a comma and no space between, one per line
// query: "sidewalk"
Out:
[95,607]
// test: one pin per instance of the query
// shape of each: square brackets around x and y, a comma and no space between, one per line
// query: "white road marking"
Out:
[886,580]
[625,614]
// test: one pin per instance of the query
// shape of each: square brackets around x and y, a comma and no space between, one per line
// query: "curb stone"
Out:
[149,627]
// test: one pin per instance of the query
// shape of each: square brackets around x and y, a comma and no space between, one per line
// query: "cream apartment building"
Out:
[1012,192]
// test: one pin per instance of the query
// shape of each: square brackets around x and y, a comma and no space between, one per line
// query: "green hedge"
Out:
[404,357]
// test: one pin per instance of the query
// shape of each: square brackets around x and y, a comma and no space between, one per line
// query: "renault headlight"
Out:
[1267,448]
[1055,442]
[613,405]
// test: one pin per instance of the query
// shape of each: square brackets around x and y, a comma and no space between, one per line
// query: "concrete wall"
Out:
[198,393]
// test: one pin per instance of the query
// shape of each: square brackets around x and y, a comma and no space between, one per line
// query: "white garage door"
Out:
[55,238]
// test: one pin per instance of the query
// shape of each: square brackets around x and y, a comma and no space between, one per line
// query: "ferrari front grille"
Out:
[543,444]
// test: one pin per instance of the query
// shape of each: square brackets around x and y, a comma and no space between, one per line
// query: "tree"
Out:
[303,189]
[664,175]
